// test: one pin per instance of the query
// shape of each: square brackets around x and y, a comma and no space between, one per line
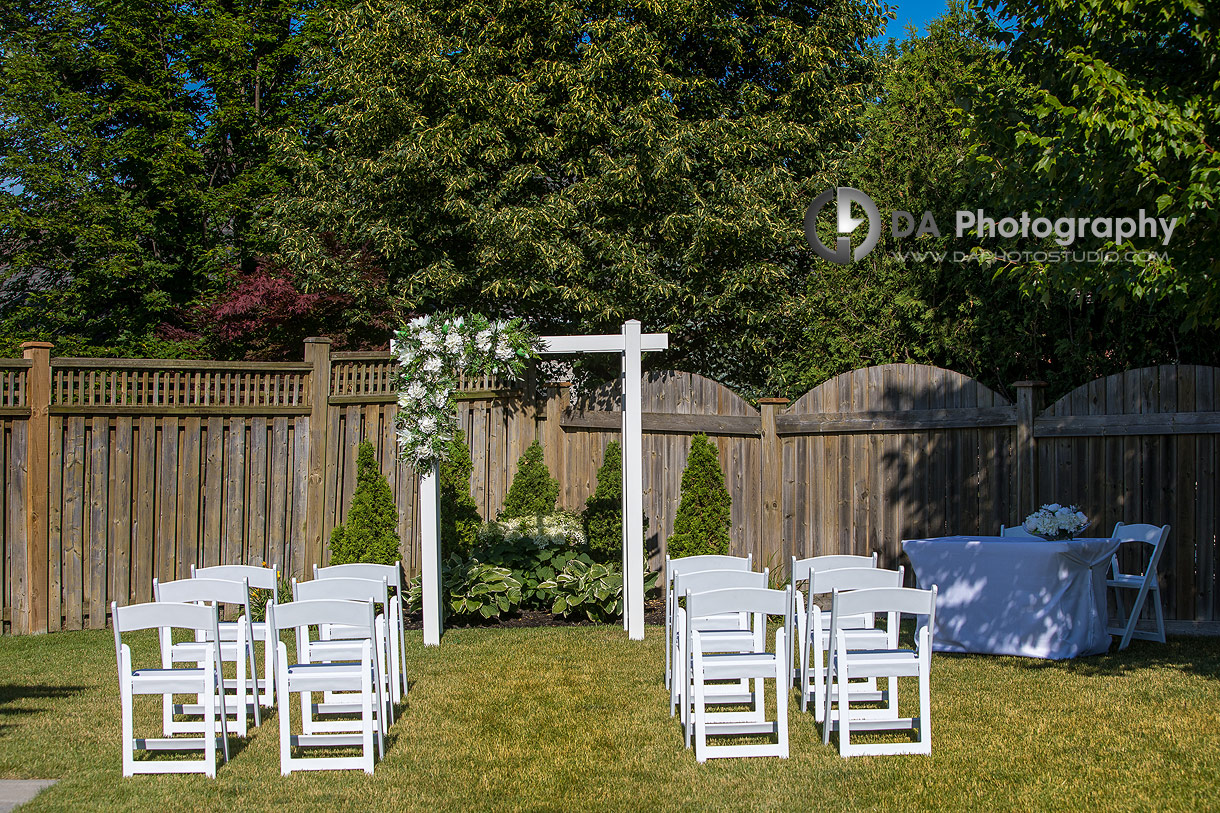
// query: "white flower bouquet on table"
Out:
[1055,522]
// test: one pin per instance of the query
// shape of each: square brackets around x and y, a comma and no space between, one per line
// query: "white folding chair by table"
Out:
[240,651]
[305,677]
[860,631]
[890,662]
[202,680]
[394,610]
[758,666]
[800,571]
[689,564]
[257,578]
[1143,584]
[335,642]
[727,632]
[1016,531]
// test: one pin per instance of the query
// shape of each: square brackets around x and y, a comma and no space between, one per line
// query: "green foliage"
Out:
[702,524]
[371,531]
[471,590]
[592,590]
[603,514]
[1116,110]
[134,152]
[534,548]
[533,490]
[459,515]
[579,165]
[259,597]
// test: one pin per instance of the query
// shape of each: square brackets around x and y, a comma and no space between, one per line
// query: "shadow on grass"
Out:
[1198,656]
[11,693]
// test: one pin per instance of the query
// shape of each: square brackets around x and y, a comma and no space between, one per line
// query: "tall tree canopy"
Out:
[134,156]
[584,163]
[1122,112]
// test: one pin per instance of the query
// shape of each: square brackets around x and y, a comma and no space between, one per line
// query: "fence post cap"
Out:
[1029,383]
[318,340]
[774,401]
[37,345]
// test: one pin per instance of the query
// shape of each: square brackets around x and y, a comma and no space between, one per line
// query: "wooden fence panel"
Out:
[158,465]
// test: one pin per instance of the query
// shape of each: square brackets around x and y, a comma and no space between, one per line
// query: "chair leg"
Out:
[699,713]
[369,676]
[925,702]
[1158,611]
[782,689]
[1137,607]
[844,714]
[821,684]
[284,700]
[125,701]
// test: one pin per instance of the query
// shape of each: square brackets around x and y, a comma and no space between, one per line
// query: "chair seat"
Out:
[164,681]
[1124,580]
[858,638]
[228,630]
[880,662]
[334,676]
[733,665]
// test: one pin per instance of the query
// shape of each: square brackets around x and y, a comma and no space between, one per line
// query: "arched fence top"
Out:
[897,388]
[1160,389]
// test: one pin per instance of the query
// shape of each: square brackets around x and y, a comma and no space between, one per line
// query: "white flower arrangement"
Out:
[1055,521]
[560,529]
[432,352]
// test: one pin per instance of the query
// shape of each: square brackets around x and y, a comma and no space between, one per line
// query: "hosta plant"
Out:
[594,591]
[471,590]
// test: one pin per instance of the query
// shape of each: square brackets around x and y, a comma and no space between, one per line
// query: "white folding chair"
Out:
[730,632]
[800,570]
[336,642]
[758,666]
[1016,531]
[394,610]
[689,564]
[861,632]
[167,681]
[890,662]
[257,578]
[240,651]
[1143,583]
[305,677]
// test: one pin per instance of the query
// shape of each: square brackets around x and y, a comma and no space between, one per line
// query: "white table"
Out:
[1015,596]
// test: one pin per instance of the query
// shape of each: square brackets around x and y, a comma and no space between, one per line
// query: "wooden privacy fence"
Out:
[118,471]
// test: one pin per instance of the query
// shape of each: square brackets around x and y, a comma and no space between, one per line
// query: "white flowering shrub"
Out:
[432,352]
[1055,521]
[559,530]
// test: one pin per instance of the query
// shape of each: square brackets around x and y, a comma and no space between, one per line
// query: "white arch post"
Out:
[630,344]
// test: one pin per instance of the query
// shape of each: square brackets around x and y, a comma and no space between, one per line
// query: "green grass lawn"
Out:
[576,719]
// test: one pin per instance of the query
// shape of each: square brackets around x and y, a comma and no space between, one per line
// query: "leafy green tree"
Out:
[134,154]
[371,531]
[1121,113]
[603,514]
[702,524]
[581,164]
[460,518]
[533,490]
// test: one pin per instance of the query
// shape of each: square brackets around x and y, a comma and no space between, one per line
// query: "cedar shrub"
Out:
[702,524]
[371,531]
[459,515]
[533,491]
[603,514]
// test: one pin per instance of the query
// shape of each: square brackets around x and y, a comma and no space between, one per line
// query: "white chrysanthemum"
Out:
[429,340]
[432,365]
[453,342]
[415,391]
[420,322]
[483,341]
[504,352]
[440,398]
[427,425]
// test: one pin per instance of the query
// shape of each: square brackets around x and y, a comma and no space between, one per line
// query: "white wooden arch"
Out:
[630,344]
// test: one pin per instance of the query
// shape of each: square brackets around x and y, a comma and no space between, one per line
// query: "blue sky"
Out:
[913,12]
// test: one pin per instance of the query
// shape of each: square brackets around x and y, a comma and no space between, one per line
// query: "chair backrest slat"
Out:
[355,614]
[854,578]
[739,600]
[1017,531]
[701,581]
[260,578]
[689,564]
[349,588]
[801,568]
[362,570]
[209,590]
[884,600]
[158,615]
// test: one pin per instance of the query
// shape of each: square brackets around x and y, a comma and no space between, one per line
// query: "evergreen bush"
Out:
[460,518]
[371,531]
[603,514]
[533,491]
[702,524]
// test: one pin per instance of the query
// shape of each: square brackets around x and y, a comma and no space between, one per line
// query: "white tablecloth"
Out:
[1014,596]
